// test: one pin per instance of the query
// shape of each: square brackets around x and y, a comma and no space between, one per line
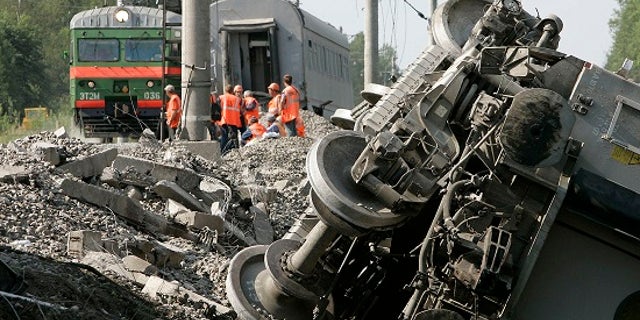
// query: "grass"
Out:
[10,131]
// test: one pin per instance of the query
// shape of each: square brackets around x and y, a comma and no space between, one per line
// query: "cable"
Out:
[420,14]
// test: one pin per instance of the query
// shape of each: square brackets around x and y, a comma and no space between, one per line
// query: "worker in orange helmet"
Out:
[290,105]
[230,123]
[254,131]
[251,106]
[174,110]
[274,103]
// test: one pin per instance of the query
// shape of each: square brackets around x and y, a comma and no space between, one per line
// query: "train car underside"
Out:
[119,117]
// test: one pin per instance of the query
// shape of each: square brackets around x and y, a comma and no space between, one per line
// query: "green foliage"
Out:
[625,26]
[33,36]
[21,67]
[386,68]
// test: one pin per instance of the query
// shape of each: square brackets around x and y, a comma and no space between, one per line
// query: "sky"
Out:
[585,35]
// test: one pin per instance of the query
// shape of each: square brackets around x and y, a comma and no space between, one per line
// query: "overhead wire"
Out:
[420,14]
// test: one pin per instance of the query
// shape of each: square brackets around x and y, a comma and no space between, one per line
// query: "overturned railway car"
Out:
[118,66]
[255,43]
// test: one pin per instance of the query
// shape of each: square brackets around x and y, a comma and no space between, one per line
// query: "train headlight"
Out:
[125,89]
[150,84]
[91,84]
[122,15]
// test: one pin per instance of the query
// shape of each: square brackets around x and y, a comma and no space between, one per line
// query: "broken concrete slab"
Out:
[212,190]
[14,174]
[47,152]
[262,224]
[167,255]
[281,185]
[257,194]
[92,165]
[134,193]
[174,207]
[111,177]
[154,172]
[136,264]
[209,150]
[157,253]
[200,220]
[124,207]
[171,190]
[83,240]
[61,133]
[137,277]
[156,285]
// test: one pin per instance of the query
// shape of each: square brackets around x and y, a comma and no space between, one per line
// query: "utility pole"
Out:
[370,41]
[196,61]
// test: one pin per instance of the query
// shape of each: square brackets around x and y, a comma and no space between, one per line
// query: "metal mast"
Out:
[196,61]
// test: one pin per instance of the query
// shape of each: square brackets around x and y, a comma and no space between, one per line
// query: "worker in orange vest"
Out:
[254,131]
[238,91]
[174,110]
[290,105]
[251,106]
[274,103]
[230,123]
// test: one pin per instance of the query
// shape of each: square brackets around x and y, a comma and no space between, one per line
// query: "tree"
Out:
[625,26]
[32,70]
[387,66]
[21,67]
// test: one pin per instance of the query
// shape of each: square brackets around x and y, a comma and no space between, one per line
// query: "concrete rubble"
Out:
[166,217]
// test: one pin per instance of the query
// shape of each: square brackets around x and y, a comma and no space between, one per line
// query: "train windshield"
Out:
[143,50]
[98,50]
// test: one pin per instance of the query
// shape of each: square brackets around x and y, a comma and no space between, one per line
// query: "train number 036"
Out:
[152,96]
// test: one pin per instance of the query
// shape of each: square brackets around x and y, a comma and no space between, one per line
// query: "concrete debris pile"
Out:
[151,216]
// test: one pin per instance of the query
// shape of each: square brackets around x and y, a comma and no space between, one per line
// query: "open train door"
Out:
[250,52]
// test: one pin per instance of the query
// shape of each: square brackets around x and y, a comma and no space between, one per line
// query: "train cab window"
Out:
[98,50]
[143,50]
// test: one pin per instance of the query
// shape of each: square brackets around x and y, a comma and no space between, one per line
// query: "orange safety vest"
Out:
[291,108]
[257,130]
[300,127]
[255,112]
[273,105]
[230,106]
[174,111]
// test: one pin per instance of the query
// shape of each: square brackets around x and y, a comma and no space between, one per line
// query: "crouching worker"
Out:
[274,128]
[253,132]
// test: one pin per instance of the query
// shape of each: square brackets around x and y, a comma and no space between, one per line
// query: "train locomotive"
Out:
[120,61]
[496,179]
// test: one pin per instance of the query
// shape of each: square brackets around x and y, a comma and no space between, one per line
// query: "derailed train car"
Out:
[255,43]
[496,179]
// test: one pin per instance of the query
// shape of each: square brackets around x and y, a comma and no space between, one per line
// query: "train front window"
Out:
[98,50]
[143,50]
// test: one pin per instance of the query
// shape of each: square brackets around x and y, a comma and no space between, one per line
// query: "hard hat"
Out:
[274,86]
[237,88]
[170,87]
[248,93]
